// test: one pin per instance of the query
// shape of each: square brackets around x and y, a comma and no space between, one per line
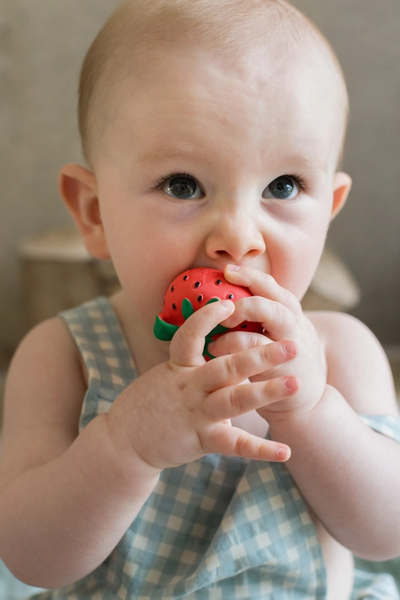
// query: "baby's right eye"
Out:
[182,187]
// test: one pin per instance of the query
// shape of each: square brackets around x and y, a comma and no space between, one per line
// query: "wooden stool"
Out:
[58,273]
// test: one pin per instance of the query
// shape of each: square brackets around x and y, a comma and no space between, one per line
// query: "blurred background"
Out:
[42,44]
[41,49]
[43,268]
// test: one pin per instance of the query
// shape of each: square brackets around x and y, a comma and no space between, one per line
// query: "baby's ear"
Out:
[78,189]
[341,188]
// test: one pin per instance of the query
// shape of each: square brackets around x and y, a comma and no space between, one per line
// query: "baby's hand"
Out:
[281,315]
[181,409]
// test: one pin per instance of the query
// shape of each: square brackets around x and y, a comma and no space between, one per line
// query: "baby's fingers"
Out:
[235,368]
[231,402]
[232,441]
[188,342]
[236,341]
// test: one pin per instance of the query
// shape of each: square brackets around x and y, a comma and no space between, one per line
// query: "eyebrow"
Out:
[304,161]
[170,153]
[309,163]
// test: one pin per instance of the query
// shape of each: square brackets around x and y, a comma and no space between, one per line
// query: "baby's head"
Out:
[213,131]
[256,36]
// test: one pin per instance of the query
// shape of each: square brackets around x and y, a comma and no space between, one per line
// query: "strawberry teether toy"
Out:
[192,290]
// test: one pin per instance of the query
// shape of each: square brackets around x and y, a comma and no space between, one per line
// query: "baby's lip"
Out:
[202,268]
[220,266]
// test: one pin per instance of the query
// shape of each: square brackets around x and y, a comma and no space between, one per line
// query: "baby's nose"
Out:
[235,236]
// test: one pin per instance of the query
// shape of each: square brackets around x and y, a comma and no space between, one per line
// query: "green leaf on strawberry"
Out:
[164,331]
[187,308]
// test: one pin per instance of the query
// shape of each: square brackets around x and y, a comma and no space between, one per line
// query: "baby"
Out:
[132,468]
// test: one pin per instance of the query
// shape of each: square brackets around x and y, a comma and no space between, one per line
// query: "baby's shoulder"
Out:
[48,344]
[47,358]
[356,362]
[45,381]
[336,327]
[43,399]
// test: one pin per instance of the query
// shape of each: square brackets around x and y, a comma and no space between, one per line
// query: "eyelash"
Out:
[163,180]
[298,179]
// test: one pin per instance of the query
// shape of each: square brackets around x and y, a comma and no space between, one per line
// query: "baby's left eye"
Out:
[282,188]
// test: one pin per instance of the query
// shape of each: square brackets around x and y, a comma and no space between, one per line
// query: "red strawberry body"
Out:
[192,290]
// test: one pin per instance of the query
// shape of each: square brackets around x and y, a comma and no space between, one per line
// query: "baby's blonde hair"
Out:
[231,28]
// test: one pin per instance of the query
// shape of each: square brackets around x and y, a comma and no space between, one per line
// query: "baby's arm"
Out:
[59,492]
[348,474]
[67,499]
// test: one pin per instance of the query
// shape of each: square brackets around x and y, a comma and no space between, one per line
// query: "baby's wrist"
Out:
[130,461]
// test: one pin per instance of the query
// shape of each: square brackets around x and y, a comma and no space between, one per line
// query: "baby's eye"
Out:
[282,188]
[182,187]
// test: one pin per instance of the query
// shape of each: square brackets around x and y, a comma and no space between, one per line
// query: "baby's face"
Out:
[204,164]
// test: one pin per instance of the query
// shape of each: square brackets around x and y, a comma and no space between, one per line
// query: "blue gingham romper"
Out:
[219,528]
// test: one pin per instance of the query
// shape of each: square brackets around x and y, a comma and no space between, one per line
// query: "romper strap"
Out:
[385,424]
[99,337]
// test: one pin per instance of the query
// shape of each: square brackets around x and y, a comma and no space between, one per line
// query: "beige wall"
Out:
[42,43]
[366,37]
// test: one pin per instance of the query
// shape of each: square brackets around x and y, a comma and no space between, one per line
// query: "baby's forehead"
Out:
[237,32]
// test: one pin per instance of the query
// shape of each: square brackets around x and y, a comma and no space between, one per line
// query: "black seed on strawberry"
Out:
[244,325]
[174,306]
[199,298]
[197,284]
[172,288]
[230,296]
[186,277]
[218,282]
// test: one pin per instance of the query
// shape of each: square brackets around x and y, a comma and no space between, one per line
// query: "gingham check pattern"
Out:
[219,528]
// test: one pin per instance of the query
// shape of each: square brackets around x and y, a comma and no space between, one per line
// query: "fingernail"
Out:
[290,348]
[283,453]
[291,383]
[232,267]
[227,304]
